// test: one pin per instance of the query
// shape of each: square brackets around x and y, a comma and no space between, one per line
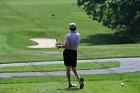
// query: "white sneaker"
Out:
[72,85]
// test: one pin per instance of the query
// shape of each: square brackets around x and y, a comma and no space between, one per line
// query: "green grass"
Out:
[84,52]
[28,19]
[109,51]
[59,67]
[109,83]
[56,87]
[33,19]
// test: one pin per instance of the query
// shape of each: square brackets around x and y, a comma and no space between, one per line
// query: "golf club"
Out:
[54,27]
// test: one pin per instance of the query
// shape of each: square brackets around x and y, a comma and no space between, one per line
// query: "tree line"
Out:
[123,16]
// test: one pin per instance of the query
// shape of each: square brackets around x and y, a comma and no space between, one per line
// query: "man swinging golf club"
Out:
[70,54]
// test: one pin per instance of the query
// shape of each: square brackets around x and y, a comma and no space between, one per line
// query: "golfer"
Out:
[70,55]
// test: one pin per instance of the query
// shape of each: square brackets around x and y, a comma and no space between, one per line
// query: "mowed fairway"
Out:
[32,18]
[23,20]
[93,84]
[60,87]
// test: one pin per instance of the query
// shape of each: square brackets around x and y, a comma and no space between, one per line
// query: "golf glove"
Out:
[58,44]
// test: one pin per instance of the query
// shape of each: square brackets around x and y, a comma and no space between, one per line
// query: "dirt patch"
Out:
[43,43]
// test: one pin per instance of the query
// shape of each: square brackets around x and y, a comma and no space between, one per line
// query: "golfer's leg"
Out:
[74,69]
[80,80]
[68,68]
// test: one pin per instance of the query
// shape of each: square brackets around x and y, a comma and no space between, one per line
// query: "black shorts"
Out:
[70,57]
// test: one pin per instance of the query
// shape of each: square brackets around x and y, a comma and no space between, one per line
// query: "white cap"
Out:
[72,25]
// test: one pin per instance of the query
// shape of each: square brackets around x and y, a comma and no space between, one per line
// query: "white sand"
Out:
[43,43]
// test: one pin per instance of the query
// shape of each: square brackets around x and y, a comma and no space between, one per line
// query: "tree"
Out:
[121,15]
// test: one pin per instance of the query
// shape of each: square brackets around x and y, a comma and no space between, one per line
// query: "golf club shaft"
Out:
[54,27]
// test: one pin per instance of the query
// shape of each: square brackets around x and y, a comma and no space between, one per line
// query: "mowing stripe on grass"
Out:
[59,67]
[109,83]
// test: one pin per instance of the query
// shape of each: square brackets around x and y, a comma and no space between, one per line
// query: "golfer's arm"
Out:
[64,45]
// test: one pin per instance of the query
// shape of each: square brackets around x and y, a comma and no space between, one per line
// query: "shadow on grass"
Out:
[72,89]
[101,39]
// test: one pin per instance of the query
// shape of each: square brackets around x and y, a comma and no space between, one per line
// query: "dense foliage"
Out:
[121,15]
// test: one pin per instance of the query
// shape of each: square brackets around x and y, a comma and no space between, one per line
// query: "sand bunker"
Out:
[43,43]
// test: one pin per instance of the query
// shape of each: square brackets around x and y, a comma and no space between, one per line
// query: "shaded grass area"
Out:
[101,39]
[59,67]
[105,83]
[105,39]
